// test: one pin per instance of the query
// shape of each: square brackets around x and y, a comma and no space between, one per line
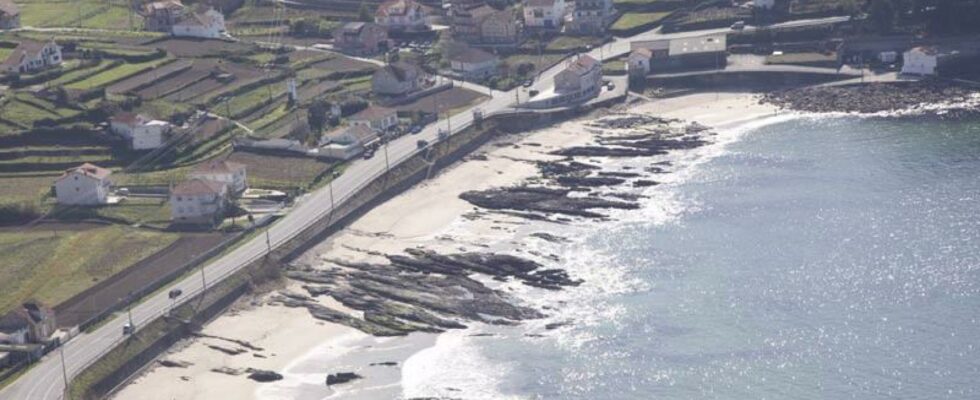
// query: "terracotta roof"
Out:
[642,52]
[172,5]
[583,64]
[219,166]
[402,71]
[467,54]
[373,113]
[197,186]
[8,8]
[353,27]
[90,170]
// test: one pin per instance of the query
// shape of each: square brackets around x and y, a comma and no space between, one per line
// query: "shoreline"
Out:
[298,346]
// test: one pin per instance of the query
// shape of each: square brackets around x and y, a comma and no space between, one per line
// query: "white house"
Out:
[544,14]
[924,60]
[208,24]
[31,56]
[346,143]
[397,79]
[583,77]
[229,173]
[402,15]
[86,184]
[198,201]
[142,133]
[377,118]
[9,15]
[472,63]
[764,4]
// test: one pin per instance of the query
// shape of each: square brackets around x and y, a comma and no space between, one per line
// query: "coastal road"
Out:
[45,380]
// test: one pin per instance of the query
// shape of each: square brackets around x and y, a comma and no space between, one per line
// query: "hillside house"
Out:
[402,16]
[231,174]
[638,63]
[85,185]
[205,22]
[32,322]
[397,79]
[361,38]
[198,201]
[581,79]
[472,63]
[347,142]
[31,56]
[485,25]
[380,119]
[160,16]
[141,132]
[591,17]
[544,14]
[9,15]
[926,60]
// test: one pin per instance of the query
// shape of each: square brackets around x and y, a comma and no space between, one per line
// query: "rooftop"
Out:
[372,113]
[90,170]
[695,45]
[198,186]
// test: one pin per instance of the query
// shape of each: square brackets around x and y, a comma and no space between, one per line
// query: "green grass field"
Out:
[52,266]
[111,14]
[634,20]
[114,74]
[23,109]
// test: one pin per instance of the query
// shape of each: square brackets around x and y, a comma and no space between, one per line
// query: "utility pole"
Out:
[204,282]
[268,242]
[64,370]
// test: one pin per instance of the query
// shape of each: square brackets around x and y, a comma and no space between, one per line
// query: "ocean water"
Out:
[806,258]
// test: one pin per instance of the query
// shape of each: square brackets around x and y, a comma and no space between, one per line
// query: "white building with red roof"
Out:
[141,132]
[377,118]
[229,173]
[86,184]
[544,14]
[402,15]
[198,201]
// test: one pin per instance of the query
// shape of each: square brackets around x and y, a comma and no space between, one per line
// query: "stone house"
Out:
[32,322]
[638,63]
[141,132]
[86,184]
[482,24]
[544,14]
[198,201]
[9,15]
[581,79]
[361,38]
[402,15]
[160,16]
[397,79]
[205,22]
[32,56]
[228,173]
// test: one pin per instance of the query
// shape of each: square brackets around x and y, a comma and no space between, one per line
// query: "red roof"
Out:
[198,186]
[90,170]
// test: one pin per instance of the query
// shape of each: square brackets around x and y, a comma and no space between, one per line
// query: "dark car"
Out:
[422,144]
[416,129]
[368,154]
[528,83]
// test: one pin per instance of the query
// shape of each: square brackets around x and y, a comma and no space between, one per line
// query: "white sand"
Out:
[416,218]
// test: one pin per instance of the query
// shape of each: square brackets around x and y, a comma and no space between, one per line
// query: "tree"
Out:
[316,115]
[882,15]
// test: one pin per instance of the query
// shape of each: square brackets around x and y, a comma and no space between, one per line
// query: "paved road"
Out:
[45,381]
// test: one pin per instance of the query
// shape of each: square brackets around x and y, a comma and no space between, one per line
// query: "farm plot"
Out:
[115,74]
[19,111]
[198,71]
[76,13]
[279,172]
[446,101]
[202,91]
[148,77]
[183,47]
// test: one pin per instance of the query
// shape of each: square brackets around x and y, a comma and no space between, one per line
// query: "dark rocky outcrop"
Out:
[542,199]
[260,375]
[174,363]
[341,377]
[872,98]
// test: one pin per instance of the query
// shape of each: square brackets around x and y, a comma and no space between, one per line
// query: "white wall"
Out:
[80,189]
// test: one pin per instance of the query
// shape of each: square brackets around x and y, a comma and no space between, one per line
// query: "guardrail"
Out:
[273,245]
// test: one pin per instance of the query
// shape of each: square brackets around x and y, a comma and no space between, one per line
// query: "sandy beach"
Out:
[431,215]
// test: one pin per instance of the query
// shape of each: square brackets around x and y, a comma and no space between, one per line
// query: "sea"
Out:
[797,257]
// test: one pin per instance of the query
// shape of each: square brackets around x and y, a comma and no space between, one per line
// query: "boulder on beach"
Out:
[260,375]
[341,377]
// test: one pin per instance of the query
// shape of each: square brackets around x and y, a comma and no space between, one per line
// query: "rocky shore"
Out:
[879,97]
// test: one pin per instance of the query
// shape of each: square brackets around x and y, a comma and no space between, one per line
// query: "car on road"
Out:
[127,330]
[528,83]
[532,93]
[422,143]
[610,86]
[368,154]
[416,129]
[739,25]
